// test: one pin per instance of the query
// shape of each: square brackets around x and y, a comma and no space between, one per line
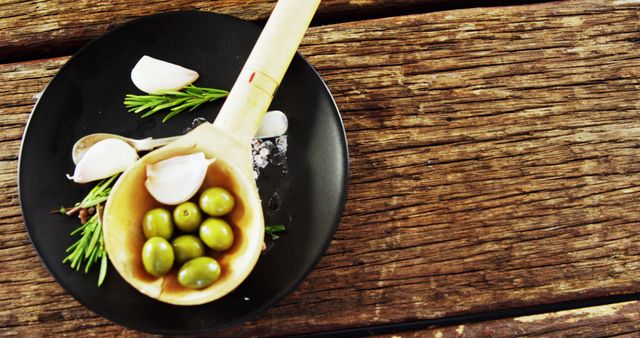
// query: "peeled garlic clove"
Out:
[176,179]
[153,76]
[274,123]
[104,159]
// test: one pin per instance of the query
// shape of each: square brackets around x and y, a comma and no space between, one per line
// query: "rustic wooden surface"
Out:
[619,319]
[36,24]
[493,165]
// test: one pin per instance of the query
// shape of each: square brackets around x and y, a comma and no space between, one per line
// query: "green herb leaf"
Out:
[103,268]
[175,101]
[274,229]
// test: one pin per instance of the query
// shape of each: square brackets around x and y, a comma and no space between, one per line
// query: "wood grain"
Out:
[36,27]
[619,319]
[493,165]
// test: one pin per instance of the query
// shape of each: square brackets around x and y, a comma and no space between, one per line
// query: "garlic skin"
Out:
[153,76]
[176,179]
[274,124]
[104,159]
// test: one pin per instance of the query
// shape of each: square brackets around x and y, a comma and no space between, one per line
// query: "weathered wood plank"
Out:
[619,319]
[493,165]
[53,26]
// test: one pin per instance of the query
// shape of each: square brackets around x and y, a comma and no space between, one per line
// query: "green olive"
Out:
[157,256]
[187,247]
[199,273]
[157,222]
[216,234]
[187,216]
[216,201]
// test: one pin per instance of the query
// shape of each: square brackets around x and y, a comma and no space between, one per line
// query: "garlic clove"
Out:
[274,123]
[176,179]
[153,76]
[104,159]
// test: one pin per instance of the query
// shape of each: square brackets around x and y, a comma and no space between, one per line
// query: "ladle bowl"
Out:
[123,217]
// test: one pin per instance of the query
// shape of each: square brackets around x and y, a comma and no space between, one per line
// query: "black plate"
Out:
[86,97]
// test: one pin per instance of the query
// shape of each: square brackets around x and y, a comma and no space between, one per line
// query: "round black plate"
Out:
[86,97]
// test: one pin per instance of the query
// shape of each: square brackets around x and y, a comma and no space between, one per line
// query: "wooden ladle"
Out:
[228,141]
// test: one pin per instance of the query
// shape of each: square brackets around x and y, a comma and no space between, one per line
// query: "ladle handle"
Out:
[261,75]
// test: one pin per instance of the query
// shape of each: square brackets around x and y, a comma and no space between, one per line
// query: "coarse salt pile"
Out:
[266,152]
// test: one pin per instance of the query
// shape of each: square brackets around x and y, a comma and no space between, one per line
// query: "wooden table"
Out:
[495,181]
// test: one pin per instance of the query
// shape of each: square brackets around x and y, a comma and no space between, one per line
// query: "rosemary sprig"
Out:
[191,97]
[90,247]
[97,195]
[273,230]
